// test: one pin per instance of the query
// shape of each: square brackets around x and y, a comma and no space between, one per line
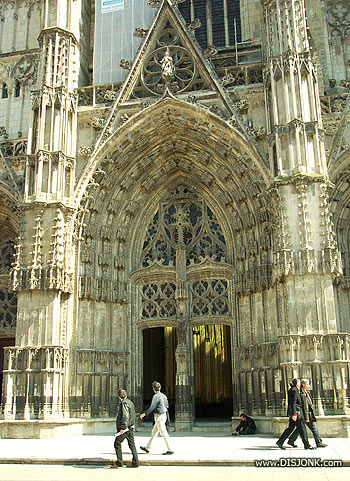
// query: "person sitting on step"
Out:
[246,426]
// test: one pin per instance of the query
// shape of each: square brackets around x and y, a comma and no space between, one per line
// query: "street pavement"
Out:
[190,449]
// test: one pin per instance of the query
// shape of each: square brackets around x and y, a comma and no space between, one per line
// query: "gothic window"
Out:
[17,89]
[183,234]
[338,12]
[210,298]
[155,248]
[6,256]
[339,18]
[8,310]
[158,301]
[212,14]
[184,220]
[4,91]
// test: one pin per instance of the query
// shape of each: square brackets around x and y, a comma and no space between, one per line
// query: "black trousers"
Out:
[129,436]
[313,428]
[247,430]
[299,424]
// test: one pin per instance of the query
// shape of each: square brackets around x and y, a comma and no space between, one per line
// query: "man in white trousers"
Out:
[159,406]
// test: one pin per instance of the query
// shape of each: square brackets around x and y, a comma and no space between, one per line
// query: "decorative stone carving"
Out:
[345,84]
[126,64]
[338,18]
[84,150]
[25,70]
[97,122]
[258,132]
[154,3]
[140,32]
[211,51]
[195,24]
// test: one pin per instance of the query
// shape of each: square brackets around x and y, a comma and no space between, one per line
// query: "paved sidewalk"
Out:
[191,449]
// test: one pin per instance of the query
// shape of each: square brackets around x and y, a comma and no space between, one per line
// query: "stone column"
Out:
[183,390]
[42,274]
[184,413]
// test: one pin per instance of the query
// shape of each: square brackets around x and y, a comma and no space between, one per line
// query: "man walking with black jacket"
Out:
[125,423]
[296,416]
[309,414]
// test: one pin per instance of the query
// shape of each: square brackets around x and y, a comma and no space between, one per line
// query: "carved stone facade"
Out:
[207,194]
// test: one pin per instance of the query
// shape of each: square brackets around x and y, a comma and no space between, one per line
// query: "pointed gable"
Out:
[171,62]
[168,42]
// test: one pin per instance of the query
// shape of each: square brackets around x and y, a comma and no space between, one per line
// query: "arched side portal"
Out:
[9,226]
[175,233]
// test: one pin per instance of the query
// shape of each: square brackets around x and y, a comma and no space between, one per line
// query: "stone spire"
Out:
[294,111]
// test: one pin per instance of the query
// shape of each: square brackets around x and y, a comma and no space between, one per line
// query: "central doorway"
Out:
[212,371]
[159,364]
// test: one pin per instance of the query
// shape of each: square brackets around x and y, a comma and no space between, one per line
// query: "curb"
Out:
[110,462]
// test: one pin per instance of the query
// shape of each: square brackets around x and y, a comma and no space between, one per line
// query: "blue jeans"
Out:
[313,428]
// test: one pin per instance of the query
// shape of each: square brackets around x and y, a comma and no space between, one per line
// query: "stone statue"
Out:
[182,330]
[168,69]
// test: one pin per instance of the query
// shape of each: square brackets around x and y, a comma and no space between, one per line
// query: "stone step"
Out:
[206,427]
[199,426]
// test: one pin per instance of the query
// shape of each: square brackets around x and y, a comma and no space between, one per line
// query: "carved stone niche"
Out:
[290,348]
[338,346]
[102,359]
[314,344]
[269,350]
[84,358]
[255,353]
[244,354]
[119,361]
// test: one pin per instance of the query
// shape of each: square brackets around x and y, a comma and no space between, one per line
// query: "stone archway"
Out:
[8,298]
[171,145]
[185,276]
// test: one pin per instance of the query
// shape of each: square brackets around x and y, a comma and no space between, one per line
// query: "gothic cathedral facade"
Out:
[174,205]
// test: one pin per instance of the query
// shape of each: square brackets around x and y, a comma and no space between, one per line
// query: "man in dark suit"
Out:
[246,426]
[125,423]
[296,416]
[309,414]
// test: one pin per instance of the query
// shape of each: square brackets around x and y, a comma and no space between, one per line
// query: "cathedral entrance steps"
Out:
[213,426]
[218,426]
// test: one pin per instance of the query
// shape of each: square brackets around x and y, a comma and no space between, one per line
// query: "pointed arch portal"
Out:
[171,207]
[182,237]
